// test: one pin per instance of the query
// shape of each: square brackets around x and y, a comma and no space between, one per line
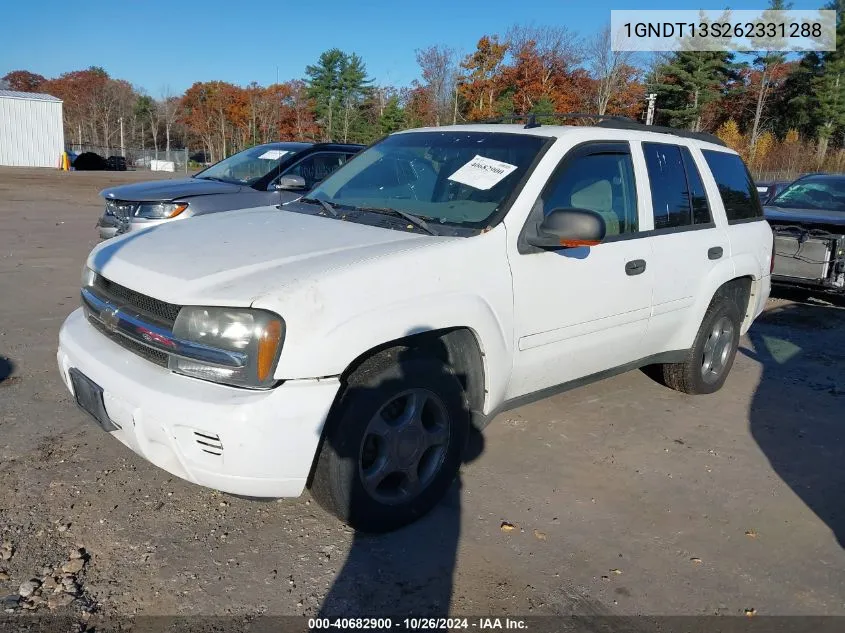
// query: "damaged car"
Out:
[808,220]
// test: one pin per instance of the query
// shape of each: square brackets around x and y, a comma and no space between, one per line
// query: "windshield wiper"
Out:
[212,178]
[413,219]
[326,205]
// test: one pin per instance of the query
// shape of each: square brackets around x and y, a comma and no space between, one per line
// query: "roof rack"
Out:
[605,121]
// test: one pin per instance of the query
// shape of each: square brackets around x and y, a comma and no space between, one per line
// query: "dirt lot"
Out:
[625,497]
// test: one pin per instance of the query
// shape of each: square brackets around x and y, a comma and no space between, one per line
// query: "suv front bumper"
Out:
[252,443]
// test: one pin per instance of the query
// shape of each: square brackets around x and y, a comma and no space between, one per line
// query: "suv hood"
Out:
[166,190]
[235,258]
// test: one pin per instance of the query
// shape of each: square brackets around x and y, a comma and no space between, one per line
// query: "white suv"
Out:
[347,341]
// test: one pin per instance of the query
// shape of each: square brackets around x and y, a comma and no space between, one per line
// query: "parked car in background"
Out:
[808,219]
[769,189]
[443,276]
[272,173]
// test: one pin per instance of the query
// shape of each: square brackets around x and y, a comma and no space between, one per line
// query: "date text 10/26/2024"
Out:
[418,624]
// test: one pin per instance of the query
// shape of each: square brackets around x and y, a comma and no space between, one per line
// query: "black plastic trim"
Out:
[676,356]
[505,207]
[746,220]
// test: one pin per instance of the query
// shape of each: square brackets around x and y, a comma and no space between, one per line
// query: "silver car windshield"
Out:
[449,177]
[246,167]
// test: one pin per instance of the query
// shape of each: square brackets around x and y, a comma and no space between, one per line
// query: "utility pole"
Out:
[649,117]
[455,112]
[122,146]
[79,136]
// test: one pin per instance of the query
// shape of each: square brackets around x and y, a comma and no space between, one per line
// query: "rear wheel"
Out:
[394,443]
[711,357]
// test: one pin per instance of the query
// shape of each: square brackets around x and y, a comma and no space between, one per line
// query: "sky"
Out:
[155,44]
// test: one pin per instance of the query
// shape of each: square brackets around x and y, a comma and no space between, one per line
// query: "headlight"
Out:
[88,277]
[159,210]
[255,334]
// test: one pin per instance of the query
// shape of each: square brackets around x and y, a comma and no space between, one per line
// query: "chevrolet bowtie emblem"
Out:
[110,319]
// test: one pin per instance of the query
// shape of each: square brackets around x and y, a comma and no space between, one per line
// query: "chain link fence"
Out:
[772,175]
[129,158]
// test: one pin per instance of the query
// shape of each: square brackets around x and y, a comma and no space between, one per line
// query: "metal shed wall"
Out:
[31,130]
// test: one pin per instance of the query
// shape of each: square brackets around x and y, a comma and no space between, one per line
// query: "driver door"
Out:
[580,311]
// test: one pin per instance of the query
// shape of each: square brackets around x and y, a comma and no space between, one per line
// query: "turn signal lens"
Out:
[268,346]
[178,209]
[577,243]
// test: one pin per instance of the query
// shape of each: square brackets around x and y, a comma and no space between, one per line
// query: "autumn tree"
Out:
[543,64]
[24,81]
[613,74]
[768,64]
[440,77]
[168,107]
[732,137]
[481,83]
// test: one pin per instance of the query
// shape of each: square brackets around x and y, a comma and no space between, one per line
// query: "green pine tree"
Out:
[393,117]
[829,86]
[796,105]
[688,82]
[338,84]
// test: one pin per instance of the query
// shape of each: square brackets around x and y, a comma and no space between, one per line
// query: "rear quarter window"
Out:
[736,187]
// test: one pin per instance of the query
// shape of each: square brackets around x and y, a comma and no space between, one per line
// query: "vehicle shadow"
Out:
[6,368]
[408,572]
[796,413]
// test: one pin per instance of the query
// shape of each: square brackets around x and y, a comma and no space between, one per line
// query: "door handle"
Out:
[715,252]
[635,267]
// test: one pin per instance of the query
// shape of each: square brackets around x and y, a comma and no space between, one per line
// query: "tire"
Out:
[373,431]
[692,376]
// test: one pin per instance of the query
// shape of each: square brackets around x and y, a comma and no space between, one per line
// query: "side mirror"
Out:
[568,228]
[290,183]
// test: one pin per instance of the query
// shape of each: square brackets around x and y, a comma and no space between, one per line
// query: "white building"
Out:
[31,130]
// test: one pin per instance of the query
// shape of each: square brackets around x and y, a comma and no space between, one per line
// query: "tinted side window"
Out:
[739,195]
[700,210]
[316,167]
[670,196]
[600,182]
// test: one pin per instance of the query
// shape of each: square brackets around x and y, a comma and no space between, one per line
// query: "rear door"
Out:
[686,241]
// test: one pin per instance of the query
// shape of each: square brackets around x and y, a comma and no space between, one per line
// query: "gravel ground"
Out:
[618,498]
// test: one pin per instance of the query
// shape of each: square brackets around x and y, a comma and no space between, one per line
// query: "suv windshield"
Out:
[813,193]
[247,167]
[449,177]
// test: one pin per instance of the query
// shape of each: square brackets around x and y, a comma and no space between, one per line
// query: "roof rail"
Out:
[605,121]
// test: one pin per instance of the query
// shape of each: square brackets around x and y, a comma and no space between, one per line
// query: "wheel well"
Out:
[456,347]
[740,290]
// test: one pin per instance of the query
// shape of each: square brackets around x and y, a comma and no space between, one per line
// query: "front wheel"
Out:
[393,444]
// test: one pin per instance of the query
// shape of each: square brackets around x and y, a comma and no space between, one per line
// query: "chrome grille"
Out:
[147,353]
[161,311]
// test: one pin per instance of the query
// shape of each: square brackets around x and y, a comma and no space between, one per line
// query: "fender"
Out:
[352,338]
[442,284]
[719,275]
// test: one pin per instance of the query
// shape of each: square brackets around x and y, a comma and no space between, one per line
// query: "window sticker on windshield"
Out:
[482,173]
[273,154]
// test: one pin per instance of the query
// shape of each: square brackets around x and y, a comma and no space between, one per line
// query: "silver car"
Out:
[273,173]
